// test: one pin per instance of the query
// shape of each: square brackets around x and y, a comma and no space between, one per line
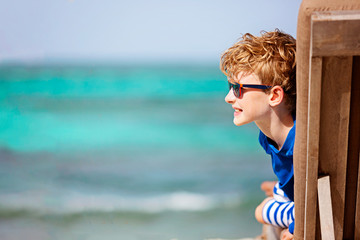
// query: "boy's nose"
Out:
[230,97]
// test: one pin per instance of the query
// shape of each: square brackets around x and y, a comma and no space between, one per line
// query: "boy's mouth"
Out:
[237,109]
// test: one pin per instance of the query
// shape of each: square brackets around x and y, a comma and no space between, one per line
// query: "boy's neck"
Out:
[277,127]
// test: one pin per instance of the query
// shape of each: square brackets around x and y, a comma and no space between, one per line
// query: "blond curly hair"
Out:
[270,56]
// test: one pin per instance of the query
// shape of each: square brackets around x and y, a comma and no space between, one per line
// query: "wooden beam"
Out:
[357,209]
[354,139]
[352,186]
[335,33]
[312,155]
[334,131]
[325,209]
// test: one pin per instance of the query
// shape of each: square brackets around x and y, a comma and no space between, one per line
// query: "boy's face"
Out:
[253,105]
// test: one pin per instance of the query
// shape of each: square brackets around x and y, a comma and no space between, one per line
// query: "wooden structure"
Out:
[326,158]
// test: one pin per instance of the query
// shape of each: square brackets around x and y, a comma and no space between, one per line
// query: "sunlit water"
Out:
[125,152]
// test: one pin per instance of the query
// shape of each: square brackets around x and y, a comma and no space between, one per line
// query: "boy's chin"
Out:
[239,123]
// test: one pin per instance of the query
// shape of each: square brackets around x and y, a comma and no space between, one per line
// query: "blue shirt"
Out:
[282,160]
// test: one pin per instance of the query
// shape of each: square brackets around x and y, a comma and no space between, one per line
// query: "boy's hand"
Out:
[268,187]
[286,235]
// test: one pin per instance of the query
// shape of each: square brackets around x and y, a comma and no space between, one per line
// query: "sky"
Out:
[136,30]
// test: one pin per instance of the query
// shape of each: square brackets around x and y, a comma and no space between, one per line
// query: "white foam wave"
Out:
[76,203]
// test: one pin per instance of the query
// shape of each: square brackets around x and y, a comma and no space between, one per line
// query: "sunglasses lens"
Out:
[236,89]
[230,85]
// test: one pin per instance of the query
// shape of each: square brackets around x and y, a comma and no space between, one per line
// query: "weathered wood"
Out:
[332,45]
[328,115]
[357,209]
[334,131]
[353,153]
[325,209]
[312,147]
[335,33]
[354,150]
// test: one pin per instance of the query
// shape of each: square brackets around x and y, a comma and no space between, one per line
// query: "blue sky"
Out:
[137,30]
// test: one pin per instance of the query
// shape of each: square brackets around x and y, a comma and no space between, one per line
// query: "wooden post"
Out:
[325,209]
[312,147]
[357,209]
[334,40]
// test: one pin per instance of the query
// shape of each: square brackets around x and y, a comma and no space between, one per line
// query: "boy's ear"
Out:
[276,96]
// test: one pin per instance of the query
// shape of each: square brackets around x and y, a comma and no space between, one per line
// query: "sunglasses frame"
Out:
[237,87]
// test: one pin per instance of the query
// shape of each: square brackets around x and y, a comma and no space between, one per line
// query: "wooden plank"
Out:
[334,131]
[335,33]
[354,140]
[312,155]
[325,209]
[352,187]
[335,37]
[357,209]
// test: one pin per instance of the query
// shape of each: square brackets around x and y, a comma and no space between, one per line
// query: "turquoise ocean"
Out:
[125,152]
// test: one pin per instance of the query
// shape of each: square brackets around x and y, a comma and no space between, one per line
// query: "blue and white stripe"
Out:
[280,210]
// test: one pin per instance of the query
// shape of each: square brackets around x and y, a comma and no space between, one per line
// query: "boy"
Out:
[262,89]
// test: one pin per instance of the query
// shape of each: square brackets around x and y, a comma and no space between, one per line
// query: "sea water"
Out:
[125,152]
